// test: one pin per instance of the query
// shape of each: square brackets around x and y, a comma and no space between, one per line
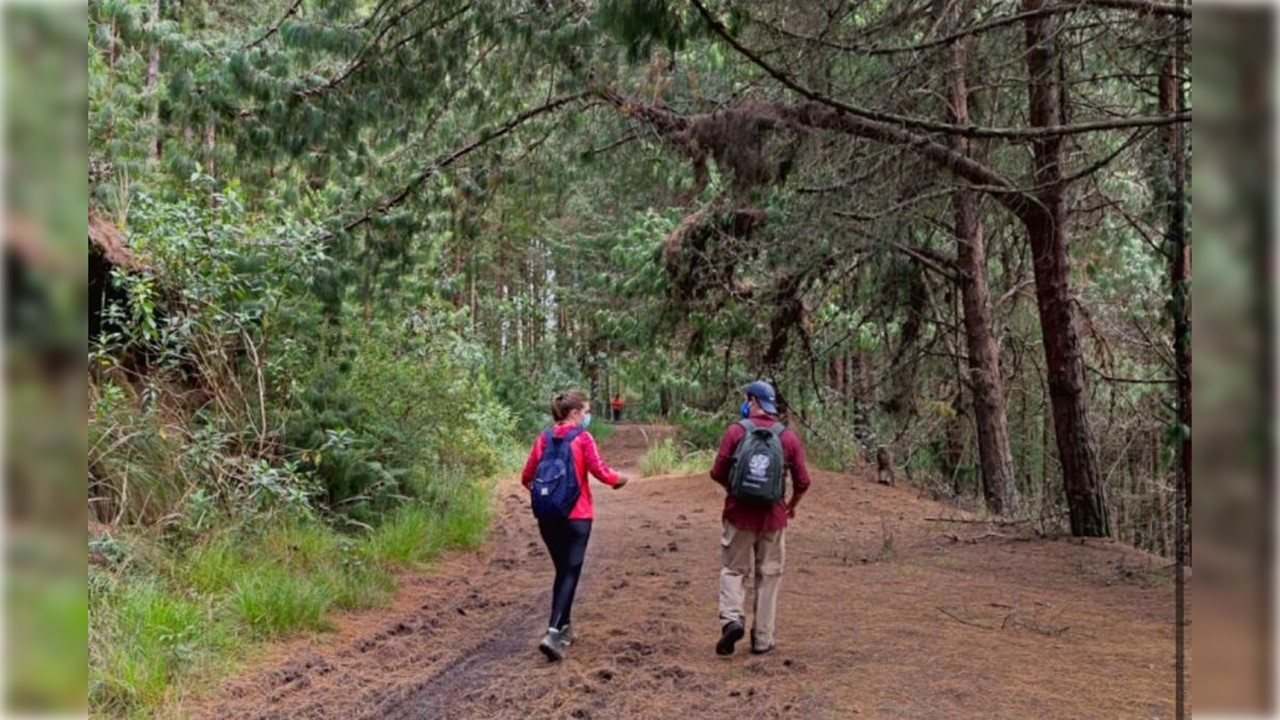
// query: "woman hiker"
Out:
[556,476]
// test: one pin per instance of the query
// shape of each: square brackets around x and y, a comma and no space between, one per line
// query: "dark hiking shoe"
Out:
[552,646]
[730,634]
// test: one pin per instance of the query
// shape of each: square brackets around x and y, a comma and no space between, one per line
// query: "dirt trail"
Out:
[882,615]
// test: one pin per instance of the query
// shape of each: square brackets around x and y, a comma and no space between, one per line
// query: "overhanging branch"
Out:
[448,159]
[671,125]
[904,121]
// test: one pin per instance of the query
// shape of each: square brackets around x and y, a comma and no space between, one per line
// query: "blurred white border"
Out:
[1275,334]
[4,481]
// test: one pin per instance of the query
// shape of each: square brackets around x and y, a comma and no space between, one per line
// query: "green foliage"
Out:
[405,408]
[46,609]
[835,450]
[702,429]
[529,394]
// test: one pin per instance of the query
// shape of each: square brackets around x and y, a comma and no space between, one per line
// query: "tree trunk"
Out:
[1047,230]
[953,454]
[1179,278]
[210,146]
[994,454]
[153,81]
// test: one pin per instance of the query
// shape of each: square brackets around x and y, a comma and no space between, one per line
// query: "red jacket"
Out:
[751,517]
[586,457]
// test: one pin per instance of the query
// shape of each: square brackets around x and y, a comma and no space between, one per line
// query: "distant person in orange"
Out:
[617,407]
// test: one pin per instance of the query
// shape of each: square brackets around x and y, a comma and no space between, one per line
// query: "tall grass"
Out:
[159,629]
[145,638]
[409,535]
[668,458]
[275,601]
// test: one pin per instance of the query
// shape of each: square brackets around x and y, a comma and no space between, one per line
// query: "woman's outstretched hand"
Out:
[622,480]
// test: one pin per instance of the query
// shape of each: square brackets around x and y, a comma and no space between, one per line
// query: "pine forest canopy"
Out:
[956,229]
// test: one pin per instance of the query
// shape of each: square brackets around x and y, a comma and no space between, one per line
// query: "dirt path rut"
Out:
[882,615]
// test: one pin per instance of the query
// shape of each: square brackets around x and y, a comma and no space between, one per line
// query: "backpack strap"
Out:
[747,425]
[777,429]
[572,434]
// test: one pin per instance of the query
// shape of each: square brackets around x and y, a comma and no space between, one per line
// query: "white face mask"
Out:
[586,420]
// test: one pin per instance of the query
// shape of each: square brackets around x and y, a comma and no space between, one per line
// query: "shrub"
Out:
[700,429]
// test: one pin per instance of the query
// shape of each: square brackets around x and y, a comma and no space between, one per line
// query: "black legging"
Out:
[567,542]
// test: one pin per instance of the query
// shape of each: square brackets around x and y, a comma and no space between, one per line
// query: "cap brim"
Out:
[767,406]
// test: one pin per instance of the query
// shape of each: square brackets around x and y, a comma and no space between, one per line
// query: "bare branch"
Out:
[932,263]
[275,27]
[1180,9]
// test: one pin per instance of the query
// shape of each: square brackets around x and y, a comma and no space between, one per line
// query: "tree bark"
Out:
[953,452]
[1046,222]
[1179,279]
[994,454]
[211,146]
[153,82]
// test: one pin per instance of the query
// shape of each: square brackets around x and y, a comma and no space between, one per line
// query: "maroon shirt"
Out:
[754,517]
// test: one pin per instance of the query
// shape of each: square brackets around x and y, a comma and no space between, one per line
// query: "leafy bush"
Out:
[528,395]
[407,408]
[701,429]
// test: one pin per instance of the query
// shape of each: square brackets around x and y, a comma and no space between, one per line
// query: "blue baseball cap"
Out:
[763,393]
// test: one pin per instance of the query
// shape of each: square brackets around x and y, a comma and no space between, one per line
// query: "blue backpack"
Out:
[555,486]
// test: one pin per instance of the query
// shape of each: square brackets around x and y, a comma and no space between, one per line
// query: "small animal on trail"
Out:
[884,466]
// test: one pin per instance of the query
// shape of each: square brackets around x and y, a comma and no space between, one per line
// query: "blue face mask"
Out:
[745,409]
[586,420]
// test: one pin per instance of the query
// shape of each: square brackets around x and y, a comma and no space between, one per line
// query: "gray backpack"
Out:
[757,475]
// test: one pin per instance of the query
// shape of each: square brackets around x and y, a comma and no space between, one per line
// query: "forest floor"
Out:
[882,614]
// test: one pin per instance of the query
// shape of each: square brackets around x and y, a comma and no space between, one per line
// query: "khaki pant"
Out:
[751,554]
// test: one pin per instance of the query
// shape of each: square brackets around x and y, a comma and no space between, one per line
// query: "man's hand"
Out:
[791,510]
[621,481]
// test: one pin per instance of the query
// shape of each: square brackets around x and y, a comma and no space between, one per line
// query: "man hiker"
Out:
[617,407]
[754,455]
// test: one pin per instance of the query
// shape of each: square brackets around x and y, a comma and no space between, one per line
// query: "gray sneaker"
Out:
[567,635]
[553,646]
